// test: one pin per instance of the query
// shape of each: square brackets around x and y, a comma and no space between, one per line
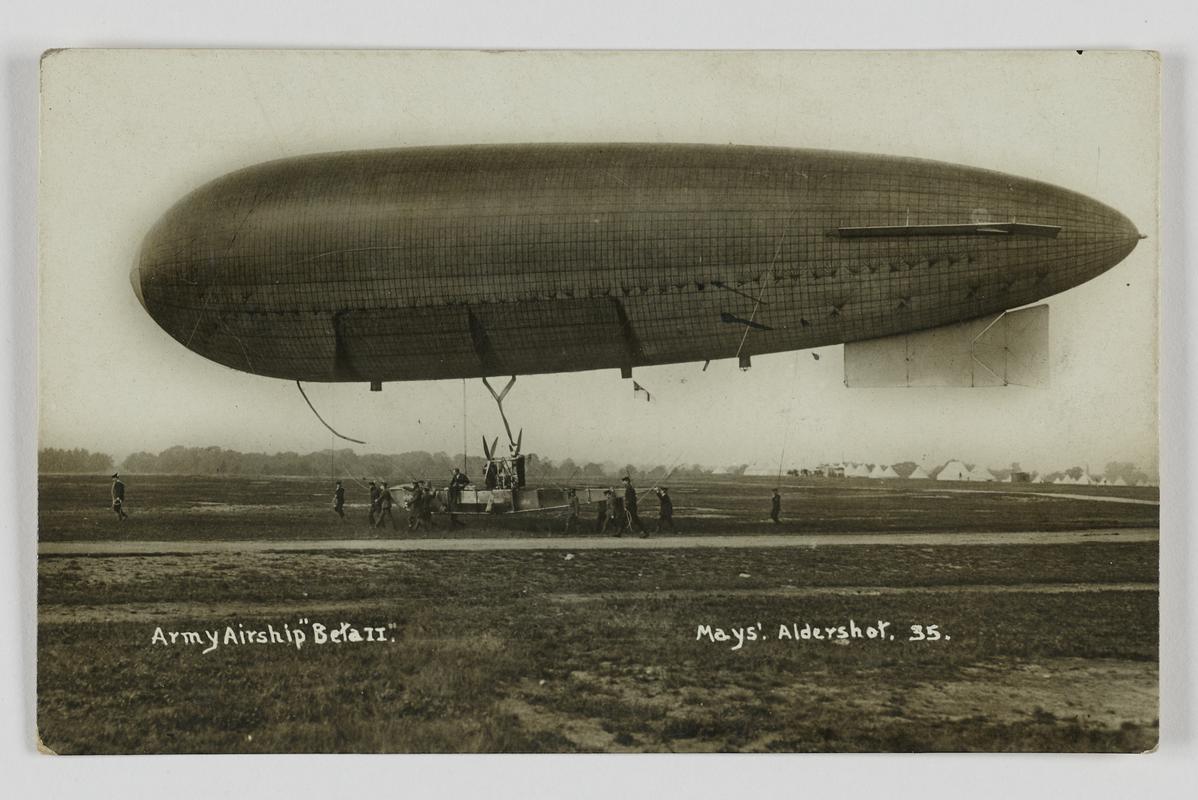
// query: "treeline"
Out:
[1130,473]
[53,459]
[398,467]
[420,464]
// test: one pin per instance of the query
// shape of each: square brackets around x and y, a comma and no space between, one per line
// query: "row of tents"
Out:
[957,470]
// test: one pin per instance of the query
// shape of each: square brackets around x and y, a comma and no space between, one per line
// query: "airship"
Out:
[501,260]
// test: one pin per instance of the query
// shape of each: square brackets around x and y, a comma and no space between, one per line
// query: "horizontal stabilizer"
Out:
[1007,349]
[970,229]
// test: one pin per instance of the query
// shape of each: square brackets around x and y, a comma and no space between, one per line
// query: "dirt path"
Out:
[110,547]
[56,613]
[862,591]
[1098,498]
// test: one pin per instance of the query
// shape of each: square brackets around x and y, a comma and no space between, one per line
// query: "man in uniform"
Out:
[339,500]
[665,514]
[575,507]
[375,502]
[776,507]
[634,521]
[517,469]
[457,483]
[601,512]
[385,503]
[428,500]
[416,506]
[615,514]
[118,497]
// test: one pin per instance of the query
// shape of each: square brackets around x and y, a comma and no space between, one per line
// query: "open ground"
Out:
[1042,643]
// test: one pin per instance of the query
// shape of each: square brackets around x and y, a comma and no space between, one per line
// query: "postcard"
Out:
[473,402]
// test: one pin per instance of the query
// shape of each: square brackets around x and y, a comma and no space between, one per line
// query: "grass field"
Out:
[1050,646]
[73,507]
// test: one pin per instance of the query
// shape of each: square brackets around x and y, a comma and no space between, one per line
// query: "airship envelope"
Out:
[454,262]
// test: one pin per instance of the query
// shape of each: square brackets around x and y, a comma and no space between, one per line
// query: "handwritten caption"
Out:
[304,632]
[737,636]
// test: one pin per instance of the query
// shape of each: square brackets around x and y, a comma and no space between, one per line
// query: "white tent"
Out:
[980,473]
[918,475]
[875,471]
[885,473]
[954,471]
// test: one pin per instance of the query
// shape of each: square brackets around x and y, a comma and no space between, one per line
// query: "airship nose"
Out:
[1118,234]
[1094,237]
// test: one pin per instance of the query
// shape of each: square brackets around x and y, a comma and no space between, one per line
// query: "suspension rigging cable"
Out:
[322,422]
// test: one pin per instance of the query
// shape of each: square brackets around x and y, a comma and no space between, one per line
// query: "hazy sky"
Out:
[127,133]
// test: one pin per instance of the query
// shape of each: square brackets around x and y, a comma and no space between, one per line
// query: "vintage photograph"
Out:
[598,402]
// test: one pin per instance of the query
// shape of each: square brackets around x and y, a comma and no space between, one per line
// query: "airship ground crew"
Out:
[574,506]
[416,507]
[665,513]
[630,503]
[385,503]
[339,501]
[517,470]
[776,506]
[457,483]
[375,502]
[601,508]
[615,517]
[118,497]
[429,503]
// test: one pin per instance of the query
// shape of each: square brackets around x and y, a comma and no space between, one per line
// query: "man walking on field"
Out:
[385,503]
[665,515]
[630,507]
[339,501]
[118,497]
[375,502]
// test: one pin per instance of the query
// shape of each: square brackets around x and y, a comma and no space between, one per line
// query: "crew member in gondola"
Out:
[457,483]
[517,470]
